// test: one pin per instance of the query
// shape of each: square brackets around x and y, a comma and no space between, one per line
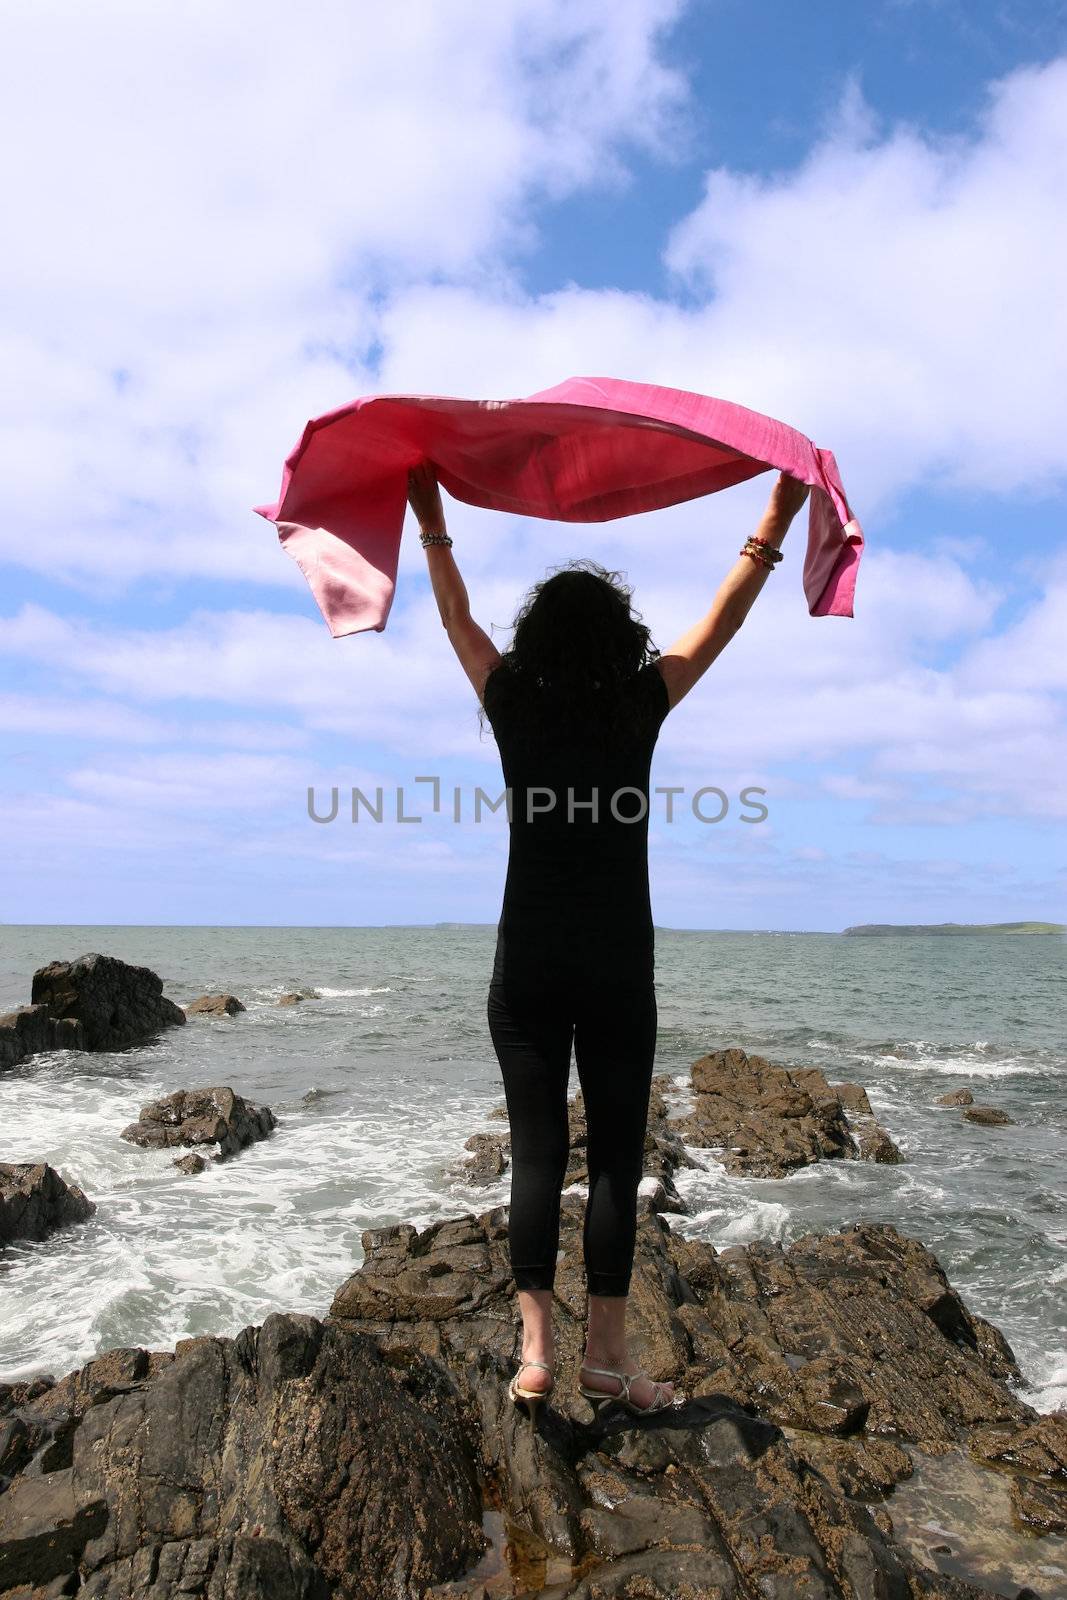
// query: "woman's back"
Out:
[577,879]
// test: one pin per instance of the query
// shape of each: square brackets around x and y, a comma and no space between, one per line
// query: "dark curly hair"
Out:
[577,642]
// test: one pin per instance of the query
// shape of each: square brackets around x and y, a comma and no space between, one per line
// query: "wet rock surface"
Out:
[360,1455]
[190,1164]
[215,1005]
[294,1460]
[811,1371]
[201,1117]
[769,1120]
[297,997]
[30,1029]
[117,1004]
[987,1116]
[35,1201]
[94,1003]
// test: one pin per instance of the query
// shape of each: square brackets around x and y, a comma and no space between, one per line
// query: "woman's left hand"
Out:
[424,497]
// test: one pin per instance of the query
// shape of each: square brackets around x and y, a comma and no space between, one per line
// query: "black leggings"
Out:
[611,1019]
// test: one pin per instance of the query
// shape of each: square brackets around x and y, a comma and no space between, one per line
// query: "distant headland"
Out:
[956,928]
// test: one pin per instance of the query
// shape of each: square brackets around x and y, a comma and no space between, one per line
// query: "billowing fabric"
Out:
[589,450]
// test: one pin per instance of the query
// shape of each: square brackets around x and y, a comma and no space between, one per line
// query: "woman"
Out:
[576,705]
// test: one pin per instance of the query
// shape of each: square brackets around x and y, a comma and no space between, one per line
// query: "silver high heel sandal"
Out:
[599,1397]
[532,1399]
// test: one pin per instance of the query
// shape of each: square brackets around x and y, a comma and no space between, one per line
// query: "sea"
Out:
[378,1082]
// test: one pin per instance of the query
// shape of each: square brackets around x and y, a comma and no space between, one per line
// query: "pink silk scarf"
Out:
[589,450]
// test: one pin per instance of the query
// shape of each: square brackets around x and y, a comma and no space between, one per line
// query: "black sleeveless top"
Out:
[578,889]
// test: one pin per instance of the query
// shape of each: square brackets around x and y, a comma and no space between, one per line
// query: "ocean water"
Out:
[377,1084]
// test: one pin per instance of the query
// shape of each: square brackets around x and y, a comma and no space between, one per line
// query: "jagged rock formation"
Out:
[812,1369]
[293,1461]
[94,1003]
[30,1029]
[35,1201]
[769,1120]
[201,1117]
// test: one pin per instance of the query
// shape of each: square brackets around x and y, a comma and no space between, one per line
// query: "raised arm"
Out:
[477,653]
[690,656]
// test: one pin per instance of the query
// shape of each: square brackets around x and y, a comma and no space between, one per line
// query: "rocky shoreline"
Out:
[374,1452]
[843,1404]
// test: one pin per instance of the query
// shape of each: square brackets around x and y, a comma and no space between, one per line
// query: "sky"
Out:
[225,220]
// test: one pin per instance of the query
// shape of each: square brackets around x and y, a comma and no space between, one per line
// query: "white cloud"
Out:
[789,689]
[1030,654]
[207,200]
[84,718]
[911,284]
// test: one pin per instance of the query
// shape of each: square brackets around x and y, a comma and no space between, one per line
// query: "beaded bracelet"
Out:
[768,553]
[772,550]
[434,538]
[757,555]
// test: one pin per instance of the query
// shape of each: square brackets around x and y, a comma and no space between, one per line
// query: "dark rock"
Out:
[874,1144]
[987,1116]
[769,1120]
[315,1095]
[857,1339]
[956,1097]
[96,1002]
[44,1526]
[1038,1448]
[488,1161]
[30,1029]
[201,1117]
[1040,1507]
[350,1458]
[297,996]
[214,1005]
[291,1461]
[190,1164]
[35,1200]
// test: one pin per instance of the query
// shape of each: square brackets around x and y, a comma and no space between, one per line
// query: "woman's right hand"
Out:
[424,497]
[787,497]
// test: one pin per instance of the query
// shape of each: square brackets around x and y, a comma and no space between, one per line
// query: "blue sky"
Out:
[849,217]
